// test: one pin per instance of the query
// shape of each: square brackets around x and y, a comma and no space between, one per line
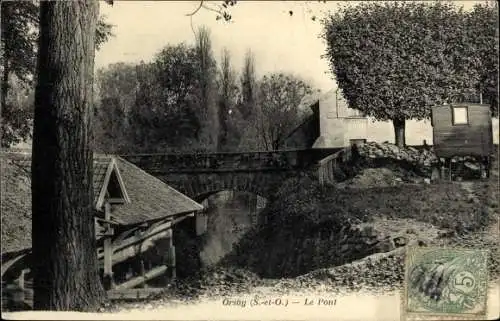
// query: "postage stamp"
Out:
[445,283]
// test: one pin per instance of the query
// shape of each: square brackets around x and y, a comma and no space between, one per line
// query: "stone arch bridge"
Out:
[201,175]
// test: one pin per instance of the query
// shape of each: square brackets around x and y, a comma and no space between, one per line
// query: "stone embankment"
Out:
[385,164]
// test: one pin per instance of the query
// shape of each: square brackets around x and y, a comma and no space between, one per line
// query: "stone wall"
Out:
[199,186]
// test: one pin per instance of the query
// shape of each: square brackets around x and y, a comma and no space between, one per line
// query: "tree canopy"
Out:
[394,60]
[280,95]
[19,35]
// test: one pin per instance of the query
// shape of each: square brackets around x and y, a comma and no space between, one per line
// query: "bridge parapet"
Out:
[201,175]
[223,162]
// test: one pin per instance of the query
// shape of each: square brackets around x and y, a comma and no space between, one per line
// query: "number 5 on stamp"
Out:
[445,282]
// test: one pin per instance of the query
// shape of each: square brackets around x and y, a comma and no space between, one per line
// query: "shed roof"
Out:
[148,197]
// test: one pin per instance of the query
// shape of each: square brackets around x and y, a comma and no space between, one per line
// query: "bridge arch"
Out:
[200,186]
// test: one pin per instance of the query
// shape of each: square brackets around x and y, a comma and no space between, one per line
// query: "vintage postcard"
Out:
[249,160]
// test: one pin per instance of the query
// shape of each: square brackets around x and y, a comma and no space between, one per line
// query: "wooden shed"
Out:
[463,130]
[135,214]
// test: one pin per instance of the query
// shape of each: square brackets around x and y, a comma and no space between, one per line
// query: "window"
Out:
[460,115]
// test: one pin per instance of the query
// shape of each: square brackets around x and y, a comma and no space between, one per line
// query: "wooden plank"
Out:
[138,238]
[171,258]
[201,223]
[157,271]
[108,249]
[131,251]
[131,294]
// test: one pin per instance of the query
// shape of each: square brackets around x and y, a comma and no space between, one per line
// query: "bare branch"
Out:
[212,9]
[196,10]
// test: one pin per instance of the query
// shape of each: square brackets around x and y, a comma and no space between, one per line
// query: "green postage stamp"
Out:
[445,283]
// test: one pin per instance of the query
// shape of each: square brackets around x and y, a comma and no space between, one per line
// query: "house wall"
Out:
[416,131]
[356,128]
[335,132]
[338,123]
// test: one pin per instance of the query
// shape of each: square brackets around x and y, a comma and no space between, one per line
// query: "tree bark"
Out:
[65,267]
[6,17]
[399,132]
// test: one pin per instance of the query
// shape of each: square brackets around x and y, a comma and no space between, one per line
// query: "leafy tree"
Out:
[247,104]
[482,27]
[117,87]
[394,60]
[19,34]
[165,114]
[207,91]
[248,86]
[18,63]
[65,265]
[17,117]
[279,98]
[229,116]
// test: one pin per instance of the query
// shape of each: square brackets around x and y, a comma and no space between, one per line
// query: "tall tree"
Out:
[207,96]
[65,263]
[394,60]
[19,33]
[228,114]
[247,104]
[248,86]
[279,99]
[165,115]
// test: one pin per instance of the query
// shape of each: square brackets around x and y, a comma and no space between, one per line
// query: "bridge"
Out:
[201,175]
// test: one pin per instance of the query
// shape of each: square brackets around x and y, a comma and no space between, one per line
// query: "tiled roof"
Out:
[150,198]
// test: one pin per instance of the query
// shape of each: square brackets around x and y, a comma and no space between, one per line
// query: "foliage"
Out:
[482,27]
[19,47]
[247,104]
[17,113]
[222,10]
[19,35]
[164,115]
[279,98]
[395,60]
[248,86]
[116,92]
[207,91]
[229,116]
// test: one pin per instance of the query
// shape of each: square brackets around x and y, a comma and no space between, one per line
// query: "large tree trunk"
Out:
[6,18]
[64,248]
[399,132]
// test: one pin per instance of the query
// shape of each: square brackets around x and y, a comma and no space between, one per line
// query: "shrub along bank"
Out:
[309,226]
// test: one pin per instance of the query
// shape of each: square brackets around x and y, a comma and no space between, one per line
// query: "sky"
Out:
[280,42]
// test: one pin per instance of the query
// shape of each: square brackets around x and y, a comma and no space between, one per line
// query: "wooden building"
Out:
[333,124]
[462,130]
[135,216]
